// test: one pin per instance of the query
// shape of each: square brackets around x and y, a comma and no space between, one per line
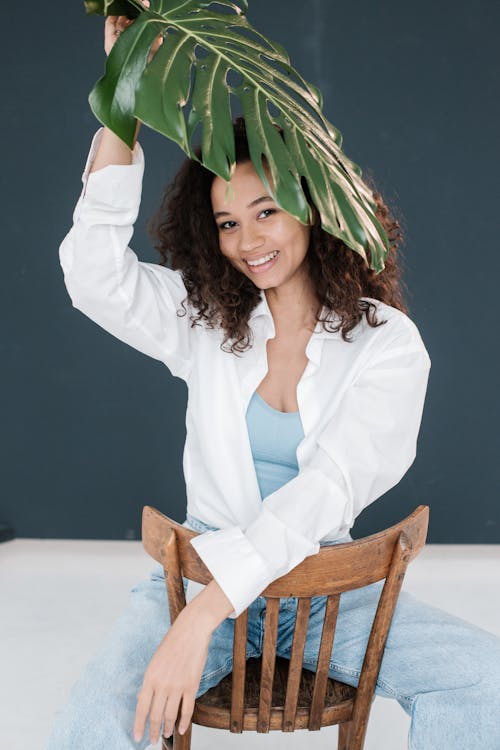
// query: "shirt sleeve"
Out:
[133,300]
[364,451]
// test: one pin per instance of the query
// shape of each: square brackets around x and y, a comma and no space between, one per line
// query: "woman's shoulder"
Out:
[168,280]
[398,330]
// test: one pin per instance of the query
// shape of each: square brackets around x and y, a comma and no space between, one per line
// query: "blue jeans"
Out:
[442,670]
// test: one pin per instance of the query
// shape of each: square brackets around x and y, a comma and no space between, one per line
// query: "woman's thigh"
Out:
[100,711]
[427,649]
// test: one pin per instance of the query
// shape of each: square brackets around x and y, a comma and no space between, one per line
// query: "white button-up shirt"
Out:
[360,403]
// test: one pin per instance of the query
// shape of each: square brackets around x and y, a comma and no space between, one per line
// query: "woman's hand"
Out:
[173,677]
[112,150]
[116,25]
[174,673]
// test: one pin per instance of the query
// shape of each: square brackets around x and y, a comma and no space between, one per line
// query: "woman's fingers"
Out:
[187,712]
[113,27]
[155,47]
[116,25]
[169,716]
[172,678]
[160,707]
[160,713]
[141,711]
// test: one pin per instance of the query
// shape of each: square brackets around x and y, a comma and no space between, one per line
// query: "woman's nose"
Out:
[250,238]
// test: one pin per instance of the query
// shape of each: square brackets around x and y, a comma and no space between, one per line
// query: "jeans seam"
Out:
[408,699]
[262,627]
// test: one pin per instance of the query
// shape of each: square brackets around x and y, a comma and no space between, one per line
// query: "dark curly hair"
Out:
[185,234]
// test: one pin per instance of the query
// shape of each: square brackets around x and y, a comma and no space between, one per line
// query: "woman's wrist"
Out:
[112,150]
[210,607]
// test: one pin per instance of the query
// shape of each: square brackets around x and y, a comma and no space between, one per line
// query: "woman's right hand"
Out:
[114,24]
[112,150]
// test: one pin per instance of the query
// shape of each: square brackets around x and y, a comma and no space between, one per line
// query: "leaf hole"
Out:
[200,52]
[272,109]
[307,195]
[282,68]
[196,135]
[235,106]
[234,78]
[220,8]
[252,35]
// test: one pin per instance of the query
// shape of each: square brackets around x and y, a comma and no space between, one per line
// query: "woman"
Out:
[306,383]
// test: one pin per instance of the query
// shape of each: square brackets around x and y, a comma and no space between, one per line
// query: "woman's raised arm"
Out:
[112,150]
[135,301]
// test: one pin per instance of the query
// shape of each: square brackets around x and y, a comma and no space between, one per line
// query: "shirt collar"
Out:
[262,310]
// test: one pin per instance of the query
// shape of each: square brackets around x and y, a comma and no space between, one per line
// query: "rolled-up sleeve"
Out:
[133,300]
[364,450]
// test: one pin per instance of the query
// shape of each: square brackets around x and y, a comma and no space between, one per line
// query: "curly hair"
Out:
[185,234]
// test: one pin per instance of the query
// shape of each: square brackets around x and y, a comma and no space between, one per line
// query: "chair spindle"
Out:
[173,575]
[296,659]
[239,672]
[376,642]
[323,666]
[268,664]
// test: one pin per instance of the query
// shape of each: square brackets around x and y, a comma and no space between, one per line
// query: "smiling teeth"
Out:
[265,259]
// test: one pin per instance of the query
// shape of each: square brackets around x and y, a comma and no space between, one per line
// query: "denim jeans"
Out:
[442,670]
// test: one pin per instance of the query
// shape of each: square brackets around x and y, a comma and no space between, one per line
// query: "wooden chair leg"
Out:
[182,741]
[344,735]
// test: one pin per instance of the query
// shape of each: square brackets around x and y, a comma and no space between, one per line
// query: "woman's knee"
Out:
[102,702]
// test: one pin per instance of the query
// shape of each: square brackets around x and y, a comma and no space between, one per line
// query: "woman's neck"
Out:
[294,306]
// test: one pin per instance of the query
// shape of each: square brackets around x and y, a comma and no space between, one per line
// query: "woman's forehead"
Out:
[244,185]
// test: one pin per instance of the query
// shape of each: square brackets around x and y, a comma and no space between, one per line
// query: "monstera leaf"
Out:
[206,57]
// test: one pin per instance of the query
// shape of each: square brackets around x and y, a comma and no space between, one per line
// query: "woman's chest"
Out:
[309,376]
[286,361]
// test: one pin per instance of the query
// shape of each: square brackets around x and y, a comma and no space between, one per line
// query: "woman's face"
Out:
[251,228]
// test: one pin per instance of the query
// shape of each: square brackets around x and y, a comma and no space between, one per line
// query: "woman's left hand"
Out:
[173,677]
[174,673]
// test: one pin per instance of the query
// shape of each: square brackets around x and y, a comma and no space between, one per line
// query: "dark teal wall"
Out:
[91,429]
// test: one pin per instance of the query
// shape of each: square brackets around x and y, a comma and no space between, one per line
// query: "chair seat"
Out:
[213,708]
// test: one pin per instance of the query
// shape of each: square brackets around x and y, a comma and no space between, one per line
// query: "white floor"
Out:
[50,592]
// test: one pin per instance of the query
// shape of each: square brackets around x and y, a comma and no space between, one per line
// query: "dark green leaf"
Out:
[187,88]
[113,97]
[111,8]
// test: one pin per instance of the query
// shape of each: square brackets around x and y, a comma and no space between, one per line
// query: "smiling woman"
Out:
[256,240]
[213,241]
[303,409]
[286,444]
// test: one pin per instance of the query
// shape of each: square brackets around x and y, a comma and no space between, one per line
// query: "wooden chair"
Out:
[271,693]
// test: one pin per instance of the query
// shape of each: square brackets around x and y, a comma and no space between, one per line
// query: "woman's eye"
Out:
[224,224]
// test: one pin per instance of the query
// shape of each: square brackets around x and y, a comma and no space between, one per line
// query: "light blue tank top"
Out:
[274,437]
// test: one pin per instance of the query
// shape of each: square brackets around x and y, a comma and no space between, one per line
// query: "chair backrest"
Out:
[335,569]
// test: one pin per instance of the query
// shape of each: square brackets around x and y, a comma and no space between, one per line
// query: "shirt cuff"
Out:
[116,186]
[233,562]
[244,564]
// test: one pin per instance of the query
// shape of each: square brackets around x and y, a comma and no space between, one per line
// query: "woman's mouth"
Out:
[263,264]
